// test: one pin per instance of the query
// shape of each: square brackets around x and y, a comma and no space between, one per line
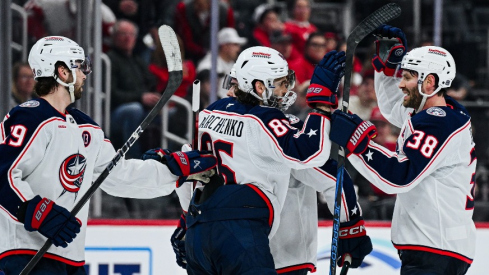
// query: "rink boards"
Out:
[130,247]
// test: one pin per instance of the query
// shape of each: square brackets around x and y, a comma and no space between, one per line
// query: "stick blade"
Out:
[381,16]
[171,48]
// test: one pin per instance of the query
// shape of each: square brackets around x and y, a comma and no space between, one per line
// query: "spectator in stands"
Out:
[192,24]
[358,68]
[144,14]
[243,13]
[23,84]
[58,18]
[159,69]
[299,26]
[132,87]
[332,40]
[365,100]
[267,21]
[229,47]
[314,52]
[282,42]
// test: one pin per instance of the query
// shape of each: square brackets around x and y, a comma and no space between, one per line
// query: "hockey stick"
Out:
[195,109]
[195,119]
[346,265]
[174,61]
[368,25]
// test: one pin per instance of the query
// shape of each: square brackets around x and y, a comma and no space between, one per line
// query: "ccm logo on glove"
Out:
[353,232]
[361,129]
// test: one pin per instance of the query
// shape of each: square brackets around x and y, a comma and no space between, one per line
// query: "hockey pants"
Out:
[228,233]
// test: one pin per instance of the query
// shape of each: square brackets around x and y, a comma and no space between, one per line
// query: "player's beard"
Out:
[78,92]
[414,98]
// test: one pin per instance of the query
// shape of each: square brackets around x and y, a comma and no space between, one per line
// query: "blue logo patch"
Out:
[30,104]
[436,111]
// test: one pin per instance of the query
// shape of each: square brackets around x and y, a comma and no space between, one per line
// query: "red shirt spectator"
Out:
[299,27]
[267,22]
[192,24]
[314,52]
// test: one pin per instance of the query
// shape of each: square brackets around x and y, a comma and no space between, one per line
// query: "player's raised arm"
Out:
[391,46]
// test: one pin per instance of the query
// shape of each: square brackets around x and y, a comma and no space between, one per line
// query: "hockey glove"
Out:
[389,52]
[52,221]
[183,164]
[353,241]
[351,132]
[178,242]
[326,79]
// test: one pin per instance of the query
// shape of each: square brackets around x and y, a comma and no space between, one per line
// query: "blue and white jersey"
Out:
[58,156]
[432,171]
[257,145]
[295,246]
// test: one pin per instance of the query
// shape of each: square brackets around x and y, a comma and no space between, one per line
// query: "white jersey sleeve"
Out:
[389,98]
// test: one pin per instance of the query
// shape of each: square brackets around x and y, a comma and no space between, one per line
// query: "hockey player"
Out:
[221,222]
[432,170]
[50,154]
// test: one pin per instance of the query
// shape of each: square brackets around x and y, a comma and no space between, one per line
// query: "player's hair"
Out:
[244,97]
[46,85]
[441,92]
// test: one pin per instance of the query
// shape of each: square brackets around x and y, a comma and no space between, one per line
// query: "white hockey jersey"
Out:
[295,244]
[432,171]
[57,156]
[256,144]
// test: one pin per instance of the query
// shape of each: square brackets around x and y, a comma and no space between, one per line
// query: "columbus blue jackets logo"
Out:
[30,104]
[436,111]
[71,173]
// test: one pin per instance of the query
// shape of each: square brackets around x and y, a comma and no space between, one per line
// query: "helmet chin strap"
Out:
[71,86]
[425,96]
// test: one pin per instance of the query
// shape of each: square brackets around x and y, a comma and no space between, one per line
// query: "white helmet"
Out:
[430,60]
[49,50]
[264,64]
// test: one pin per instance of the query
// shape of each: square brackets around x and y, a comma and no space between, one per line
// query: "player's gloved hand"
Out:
[183,164]
[389,52]
[353,241]
[205,176]
[326,79]
[351,132]
[178,242]
[52,221]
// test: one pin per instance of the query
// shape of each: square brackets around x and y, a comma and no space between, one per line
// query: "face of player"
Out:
[281,86]
[80,81]
[409,86]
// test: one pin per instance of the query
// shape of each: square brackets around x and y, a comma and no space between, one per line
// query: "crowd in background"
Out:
[139,74]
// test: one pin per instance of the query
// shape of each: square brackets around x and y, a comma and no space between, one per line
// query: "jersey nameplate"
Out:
[226,126]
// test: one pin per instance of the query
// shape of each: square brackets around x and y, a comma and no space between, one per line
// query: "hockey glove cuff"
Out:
[52,221]
[351,132]
[353,241]
[178,242]
[183,164]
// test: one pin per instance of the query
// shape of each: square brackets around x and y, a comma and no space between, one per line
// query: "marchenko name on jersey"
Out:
[226,126]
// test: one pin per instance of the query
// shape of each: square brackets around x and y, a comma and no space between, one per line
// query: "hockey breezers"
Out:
[362,30]
[174,61]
